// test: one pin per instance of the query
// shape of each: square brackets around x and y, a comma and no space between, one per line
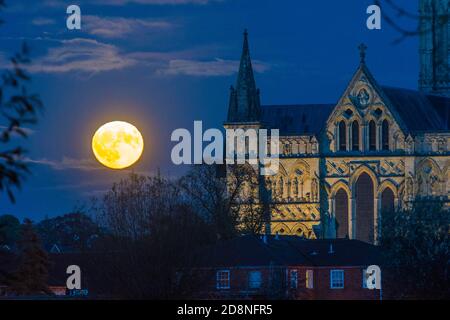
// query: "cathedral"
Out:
[378,148]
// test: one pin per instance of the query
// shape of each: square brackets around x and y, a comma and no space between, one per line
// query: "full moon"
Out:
[117,144]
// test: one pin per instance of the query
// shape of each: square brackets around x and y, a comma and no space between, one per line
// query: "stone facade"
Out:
[378,148]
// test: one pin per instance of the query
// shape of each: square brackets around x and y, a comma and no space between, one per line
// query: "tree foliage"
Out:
[75,231]
[416,249]
[18,109]
[31,275]
[9,229]
[230,203]
[152,233]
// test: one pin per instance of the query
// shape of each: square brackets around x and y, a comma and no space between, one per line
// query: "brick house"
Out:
[287,267]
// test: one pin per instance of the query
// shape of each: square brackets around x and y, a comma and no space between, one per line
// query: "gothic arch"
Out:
[281,170]
[340,118]
[433,164]
[341,213]
[365,210]
[281,229]
[386,117]
[299,164]
[387,200]
[301,230]
[341,184]
[355,134]
[430,178]
[387,184]
[363,169]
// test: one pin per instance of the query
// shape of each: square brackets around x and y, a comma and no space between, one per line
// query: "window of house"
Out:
[223,279]
[355,136]
[337,279]
[309,279]
[254,279]
[294,279]
[385,135]
[372,136]
[342,136]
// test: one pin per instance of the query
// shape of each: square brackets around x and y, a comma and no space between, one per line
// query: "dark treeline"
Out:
[142,235]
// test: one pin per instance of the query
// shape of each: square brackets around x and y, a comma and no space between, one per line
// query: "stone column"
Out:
[331,232]
[352,218]
[376,219]
[364,138]
[378,142]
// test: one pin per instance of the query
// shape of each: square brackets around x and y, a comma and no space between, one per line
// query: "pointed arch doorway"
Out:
[364,208]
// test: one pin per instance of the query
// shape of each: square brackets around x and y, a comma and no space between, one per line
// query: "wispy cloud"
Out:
[41,21]
[217,67]
[67,164]
[118,27]
[81,55]
[27,131]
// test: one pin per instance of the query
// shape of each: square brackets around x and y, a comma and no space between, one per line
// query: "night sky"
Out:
[161,64]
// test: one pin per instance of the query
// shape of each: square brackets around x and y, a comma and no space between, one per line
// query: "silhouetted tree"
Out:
[31,275]
[75,231]
[229,202]
[152,234]
[9,229]
[416,249]
[18,108]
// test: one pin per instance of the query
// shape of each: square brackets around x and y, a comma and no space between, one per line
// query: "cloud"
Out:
[40,21]
[67,164]
[27,131]
[81,55]
[217,67]
[117,27]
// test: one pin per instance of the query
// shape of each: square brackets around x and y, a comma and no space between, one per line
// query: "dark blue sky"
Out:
[161,64]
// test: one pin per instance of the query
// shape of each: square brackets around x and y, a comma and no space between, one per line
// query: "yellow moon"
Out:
[117,144]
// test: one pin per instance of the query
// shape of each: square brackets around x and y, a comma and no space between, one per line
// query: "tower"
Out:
[434,47]
[244,103]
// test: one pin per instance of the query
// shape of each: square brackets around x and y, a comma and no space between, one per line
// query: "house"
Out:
[286,267]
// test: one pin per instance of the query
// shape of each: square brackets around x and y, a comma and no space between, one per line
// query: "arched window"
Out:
[372,136]
[342,136]
[341,213]
[355,136]
[364,190]
[387,200]
[385,135]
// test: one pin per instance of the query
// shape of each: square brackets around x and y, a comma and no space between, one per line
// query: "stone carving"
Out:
[409,188]
[295,187]
[338,169]
[314,145]
[314,189]
[409,144]
[281,188]
[389,167]
[363,98]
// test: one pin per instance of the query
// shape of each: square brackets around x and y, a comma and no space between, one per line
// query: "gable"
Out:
[367,101]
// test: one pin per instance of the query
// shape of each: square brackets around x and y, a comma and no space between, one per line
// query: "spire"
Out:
[244,99]
[362,53]
[434,77]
